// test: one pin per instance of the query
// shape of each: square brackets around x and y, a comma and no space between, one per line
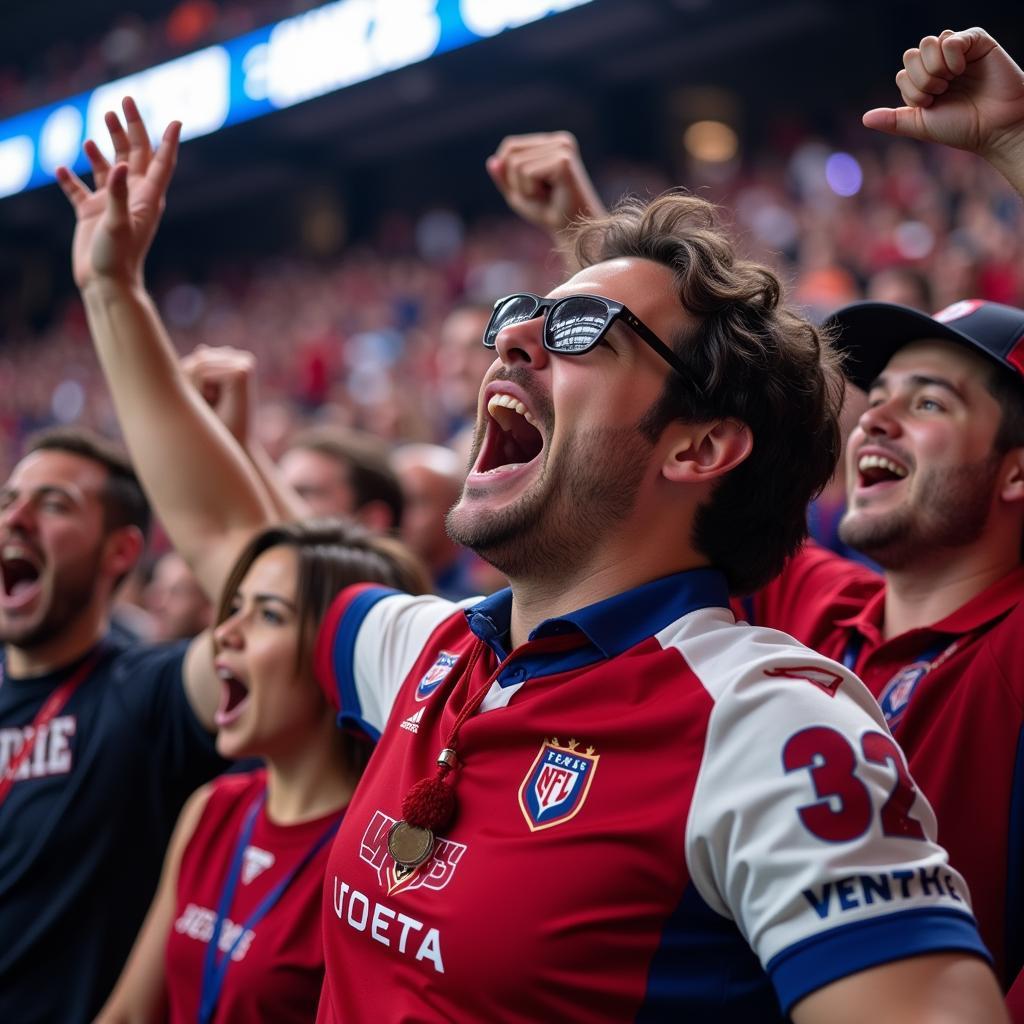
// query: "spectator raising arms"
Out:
[644,778]
[935,484]
[234,930]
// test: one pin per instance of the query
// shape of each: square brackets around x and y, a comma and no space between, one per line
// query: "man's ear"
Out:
[122,549]
[705,451]
[1011,480]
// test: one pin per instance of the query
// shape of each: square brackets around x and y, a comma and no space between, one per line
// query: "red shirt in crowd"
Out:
[277,967]
[959,722]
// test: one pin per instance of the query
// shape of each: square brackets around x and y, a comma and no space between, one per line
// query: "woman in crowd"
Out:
[234,929]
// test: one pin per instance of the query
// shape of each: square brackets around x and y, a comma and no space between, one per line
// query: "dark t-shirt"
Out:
[84,827]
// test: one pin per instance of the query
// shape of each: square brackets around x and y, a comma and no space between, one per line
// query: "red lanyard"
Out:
[52,706]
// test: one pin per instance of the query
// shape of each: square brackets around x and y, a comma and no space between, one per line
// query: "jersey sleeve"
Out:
[367,645]
[806,828]
[150,685]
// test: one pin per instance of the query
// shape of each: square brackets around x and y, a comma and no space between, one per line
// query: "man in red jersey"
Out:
[936,497]
[598,798]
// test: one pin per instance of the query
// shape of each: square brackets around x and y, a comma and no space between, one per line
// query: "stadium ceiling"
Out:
[603,70]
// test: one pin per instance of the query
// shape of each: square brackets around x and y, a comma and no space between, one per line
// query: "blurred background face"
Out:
[175,600]
[320,480]
[463,359]
[431,483]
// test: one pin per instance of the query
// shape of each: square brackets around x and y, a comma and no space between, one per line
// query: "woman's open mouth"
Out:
[234,695]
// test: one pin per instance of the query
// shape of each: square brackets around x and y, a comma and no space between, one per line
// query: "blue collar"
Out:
[615,624]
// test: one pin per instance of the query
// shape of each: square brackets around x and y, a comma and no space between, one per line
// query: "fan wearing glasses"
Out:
[596,797]
[597,775]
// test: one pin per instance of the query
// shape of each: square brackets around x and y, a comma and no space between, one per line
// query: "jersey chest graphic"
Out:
[557,783]
[434,873]
[51,751]
[255,863]
[436,674]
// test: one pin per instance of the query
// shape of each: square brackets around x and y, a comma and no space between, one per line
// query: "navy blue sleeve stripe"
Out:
[821,959]
[343,651]
[1014,938]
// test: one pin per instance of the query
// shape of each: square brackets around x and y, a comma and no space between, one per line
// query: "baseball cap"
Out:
[868,333]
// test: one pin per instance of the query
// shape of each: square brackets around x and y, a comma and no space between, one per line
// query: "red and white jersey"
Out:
[961,722]
[276,968]
[659,810]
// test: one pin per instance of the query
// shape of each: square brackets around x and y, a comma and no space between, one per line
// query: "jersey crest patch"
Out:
[557,783]
[436,674]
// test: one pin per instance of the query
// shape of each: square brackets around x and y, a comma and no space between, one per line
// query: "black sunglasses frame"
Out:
[614,311]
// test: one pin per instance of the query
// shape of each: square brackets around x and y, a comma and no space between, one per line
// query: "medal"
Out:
[430,804]
[409,845]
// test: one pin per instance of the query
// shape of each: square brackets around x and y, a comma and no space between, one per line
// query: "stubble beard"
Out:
[71,595]
[583,494]
[950,511]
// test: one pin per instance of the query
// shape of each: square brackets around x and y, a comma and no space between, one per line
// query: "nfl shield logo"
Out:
[898,691]
[557,784]
[436,674]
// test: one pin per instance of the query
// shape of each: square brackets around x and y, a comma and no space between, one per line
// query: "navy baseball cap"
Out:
[868,333]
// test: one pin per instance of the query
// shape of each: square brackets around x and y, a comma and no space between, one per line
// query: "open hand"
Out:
[117,219]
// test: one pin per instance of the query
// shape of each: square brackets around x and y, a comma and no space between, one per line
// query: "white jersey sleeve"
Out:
[367,645]
[805,827]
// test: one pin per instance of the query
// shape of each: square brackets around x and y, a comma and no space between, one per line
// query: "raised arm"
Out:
[543,179]
[961,89]
[225,377]
[200,482]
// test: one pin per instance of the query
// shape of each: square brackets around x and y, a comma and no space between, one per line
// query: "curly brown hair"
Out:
[750,359]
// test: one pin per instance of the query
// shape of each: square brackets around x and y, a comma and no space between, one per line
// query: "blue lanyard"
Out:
[894,697]
[214,972]
[930,656]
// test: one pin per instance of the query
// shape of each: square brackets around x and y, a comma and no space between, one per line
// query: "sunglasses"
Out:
[575,325]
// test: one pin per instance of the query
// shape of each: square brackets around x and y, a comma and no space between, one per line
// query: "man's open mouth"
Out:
[20,572]
[512,437]
[877,469]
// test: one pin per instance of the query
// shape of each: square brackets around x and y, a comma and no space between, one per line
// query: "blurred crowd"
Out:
[134,41]
[386,338]
[358,341]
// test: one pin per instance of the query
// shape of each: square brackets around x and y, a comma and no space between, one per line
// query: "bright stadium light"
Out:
[61,138]
[713,142]
[489,17]
[16,156]
[297,59]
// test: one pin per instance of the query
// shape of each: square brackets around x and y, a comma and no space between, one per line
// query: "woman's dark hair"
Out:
[332,554]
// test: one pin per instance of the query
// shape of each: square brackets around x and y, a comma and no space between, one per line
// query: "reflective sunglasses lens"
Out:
[514,310]
[574,323]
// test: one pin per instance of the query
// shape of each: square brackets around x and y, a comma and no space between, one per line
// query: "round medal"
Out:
[410,845]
